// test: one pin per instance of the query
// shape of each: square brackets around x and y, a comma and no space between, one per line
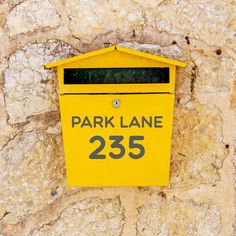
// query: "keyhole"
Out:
[116,103]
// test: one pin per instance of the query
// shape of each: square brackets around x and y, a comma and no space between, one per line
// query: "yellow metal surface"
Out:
[93,126]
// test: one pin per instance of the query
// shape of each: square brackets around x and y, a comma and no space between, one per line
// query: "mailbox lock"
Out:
[116,103]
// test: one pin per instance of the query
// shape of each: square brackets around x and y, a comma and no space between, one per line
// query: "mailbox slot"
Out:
[143,75]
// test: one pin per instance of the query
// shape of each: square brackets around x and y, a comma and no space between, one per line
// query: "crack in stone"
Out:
[194,75]
[4,215]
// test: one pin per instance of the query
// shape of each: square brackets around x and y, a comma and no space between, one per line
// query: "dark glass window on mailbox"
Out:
[116,75]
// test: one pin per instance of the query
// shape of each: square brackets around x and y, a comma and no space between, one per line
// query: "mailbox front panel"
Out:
[117,140]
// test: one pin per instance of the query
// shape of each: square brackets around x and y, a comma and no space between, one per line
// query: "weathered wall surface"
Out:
[34,197]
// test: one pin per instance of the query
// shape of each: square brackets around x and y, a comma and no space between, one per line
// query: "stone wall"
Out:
[34,197]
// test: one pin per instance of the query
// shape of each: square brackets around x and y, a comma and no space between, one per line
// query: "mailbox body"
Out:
[127,145]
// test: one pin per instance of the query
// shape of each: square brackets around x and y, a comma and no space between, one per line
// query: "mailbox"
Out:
[116,108]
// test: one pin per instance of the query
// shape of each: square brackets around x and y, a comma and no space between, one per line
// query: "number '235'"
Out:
[116,144]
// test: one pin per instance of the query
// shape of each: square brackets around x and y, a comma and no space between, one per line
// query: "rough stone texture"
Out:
[31,15]
[88,217]
[197,148]
[31,167]
[34,198]
[160,217]
[89,19]
[30,89]
[219,71]
[7,132]
[210,22]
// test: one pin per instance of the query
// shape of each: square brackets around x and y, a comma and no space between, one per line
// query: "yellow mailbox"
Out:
[117,112]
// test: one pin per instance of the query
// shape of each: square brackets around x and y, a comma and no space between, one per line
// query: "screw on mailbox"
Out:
[116,103]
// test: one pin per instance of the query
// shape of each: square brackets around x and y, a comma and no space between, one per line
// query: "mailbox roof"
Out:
[120,49]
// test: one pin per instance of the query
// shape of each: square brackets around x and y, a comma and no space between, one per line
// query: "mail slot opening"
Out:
[116,75]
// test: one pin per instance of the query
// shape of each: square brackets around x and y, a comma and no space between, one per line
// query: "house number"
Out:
[116,144]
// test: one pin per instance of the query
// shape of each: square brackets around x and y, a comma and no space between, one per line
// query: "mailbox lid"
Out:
[152,169]
[116,57]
